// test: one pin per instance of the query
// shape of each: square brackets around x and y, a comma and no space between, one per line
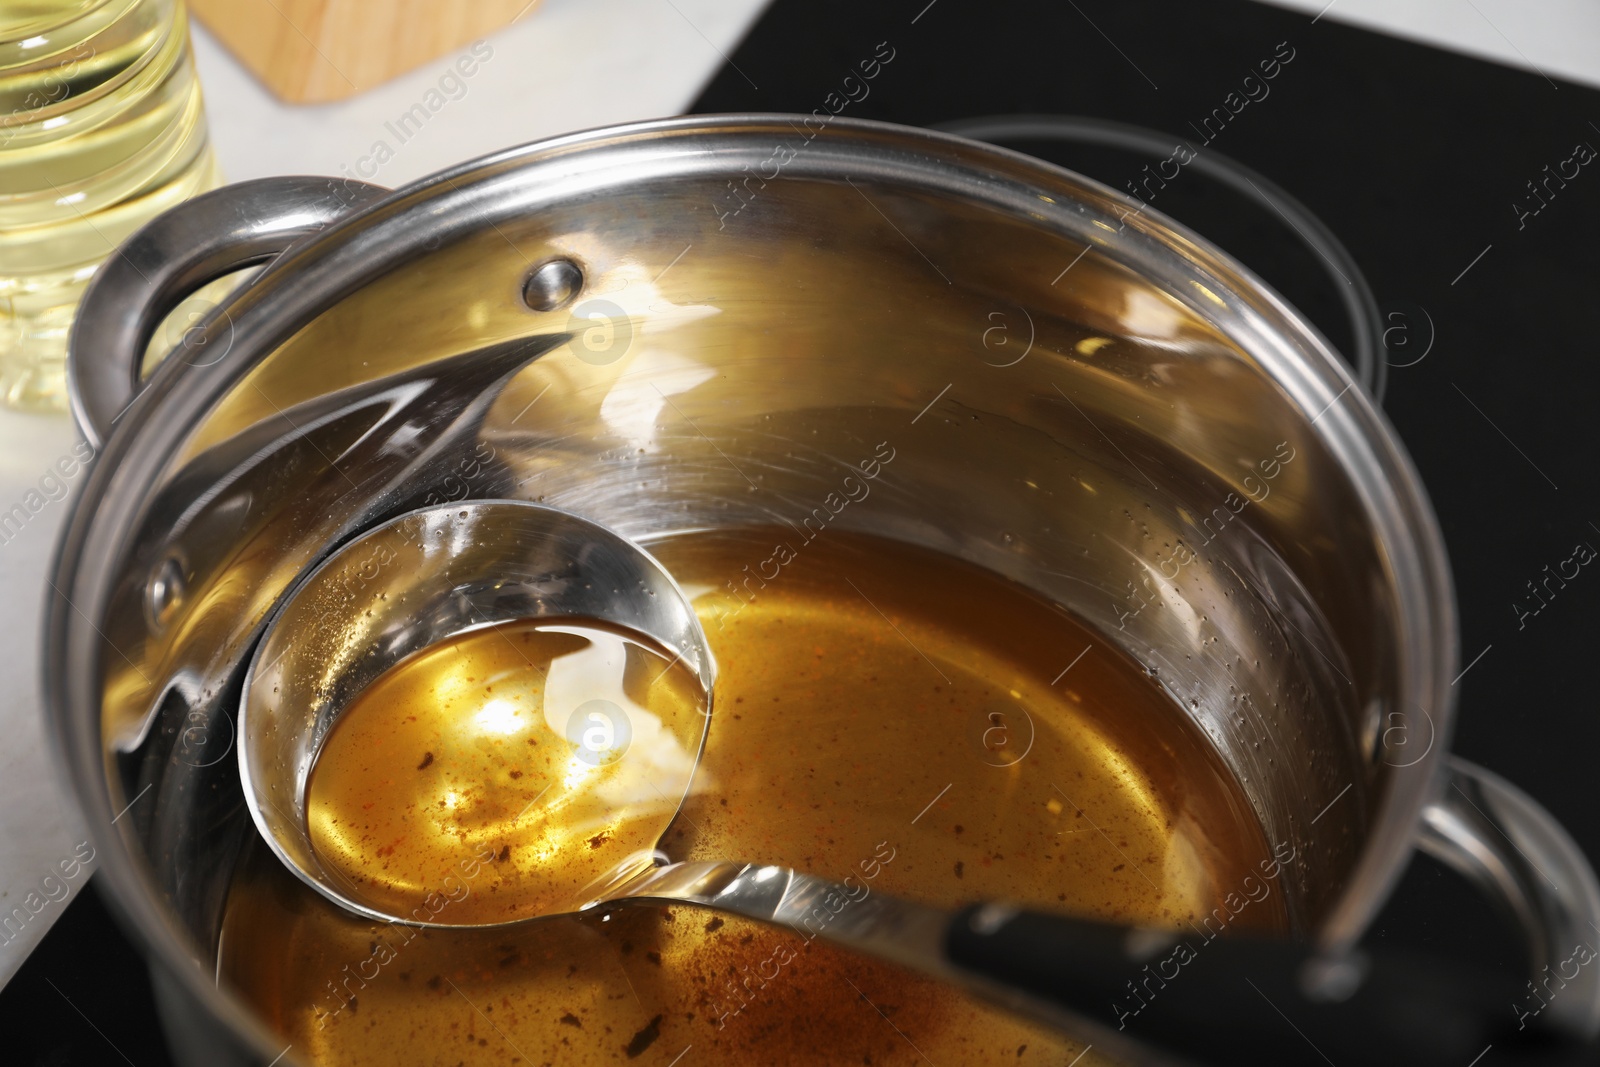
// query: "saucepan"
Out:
[690,324]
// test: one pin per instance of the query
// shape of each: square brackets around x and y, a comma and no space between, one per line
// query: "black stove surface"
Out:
[1418,160]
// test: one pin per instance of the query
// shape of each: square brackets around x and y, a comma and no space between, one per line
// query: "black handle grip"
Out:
[1241,999]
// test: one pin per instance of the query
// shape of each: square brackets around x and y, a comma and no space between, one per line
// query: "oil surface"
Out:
[536,759]
[882,712]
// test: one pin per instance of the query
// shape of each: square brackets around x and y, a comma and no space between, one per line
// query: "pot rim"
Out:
[322,269]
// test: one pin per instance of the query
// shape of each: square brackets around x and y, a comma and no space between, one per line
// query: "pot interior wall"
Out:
[1054,419]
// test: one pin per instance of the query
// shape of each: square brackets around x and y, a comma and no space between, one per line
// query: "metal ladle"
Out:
[432,574]
[413,583]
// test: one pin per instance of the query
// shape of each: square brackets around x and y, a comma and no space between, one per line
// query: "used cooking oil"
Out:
[882,712]
[101,129]
[510,771]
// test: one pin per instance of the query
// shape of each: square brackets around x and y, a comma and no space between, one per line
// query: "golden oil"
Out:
[882,713]
[507,772]
[101,129]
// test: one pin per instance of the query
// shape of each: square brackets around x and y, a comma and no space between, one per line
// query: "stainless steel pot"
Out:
[688,323]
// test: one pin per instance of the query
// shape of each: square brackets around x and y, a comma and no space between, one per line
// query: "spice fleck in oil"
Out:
[882,713]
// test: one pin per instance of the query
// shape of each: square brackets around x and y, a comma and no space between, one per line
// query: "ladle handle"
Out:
[196,242]
[1241,999]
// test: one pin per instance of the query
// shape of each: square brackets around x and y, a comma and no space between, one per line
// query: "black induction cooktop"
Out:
[1462,191]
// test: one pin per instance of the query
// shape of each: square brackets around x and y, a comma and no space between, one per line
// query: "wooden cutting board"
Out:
[312,51]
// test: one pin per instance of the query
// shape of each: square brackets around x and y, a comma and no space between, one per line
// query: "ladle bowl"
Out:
[406,586]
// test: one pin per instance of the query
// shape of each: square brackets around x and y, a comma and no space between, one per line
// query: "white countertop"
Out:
[568,65]
[38,826]
[1556,38]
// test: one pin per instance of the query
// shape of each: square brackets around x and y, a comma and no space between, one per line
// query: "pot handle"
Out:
[1503,841]
[166,260]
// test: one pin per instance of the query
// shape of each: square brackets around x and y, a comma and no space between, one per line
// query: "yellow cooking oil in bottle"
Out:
[101,129]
